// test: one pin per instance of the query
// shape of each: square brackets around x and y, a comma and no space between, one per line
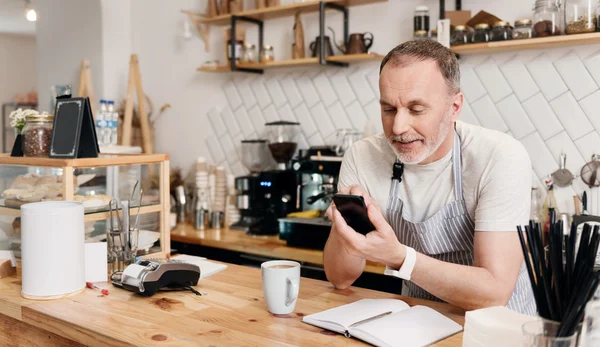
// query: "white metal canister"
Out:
[52,249]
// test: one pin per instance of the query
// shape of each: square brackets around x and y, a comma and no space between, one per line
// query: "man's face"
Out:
[417,109]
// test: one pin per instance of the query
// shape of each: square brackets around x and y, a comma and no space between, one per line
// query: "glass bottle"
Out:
[421,19]
[37,135]
[481,34]
[547,18]
[523,29]
[581,17]
[420,34]
[536,206]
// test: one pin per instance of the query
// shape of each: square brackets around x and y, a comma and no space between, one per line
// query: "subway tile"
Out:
[306,122]
[342,88]
[546,77]
[357,115]
[308,91]
[237,141]
[285,113]
[542,160]
[557,53]
[238,169]
[270,114]
[591,107]
[244,121]
[586,51]
[373,79]
[592,64]
[488,115]
[322,120]
[470,84]
[576,76]
[260,91]
[361,87]
[338,116]
[493,81]
[588,145]
[228,148]
[230,121]
[302,142]
[232,95]
[571,115]
[373,110]
[466,115]
[514,116]
[256,116]
[275,91]
[214,148]
[316,140]
[291,91]
[542,116]
[527,55]
[502,58]
[247,96]
[519,79]
[216,121]
[325,89]
[562,143]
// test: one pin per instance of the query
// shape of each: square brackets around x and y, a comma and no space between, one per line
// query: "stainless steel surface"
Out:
[217,220]
[201,220]
[243,202]
[242,184]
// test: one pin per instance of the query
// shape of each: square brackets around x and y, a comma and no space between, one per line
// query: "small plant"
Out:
[18,118]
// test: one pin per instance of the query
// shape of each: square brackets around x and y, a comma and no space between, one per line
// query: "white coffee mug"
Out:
[281,283]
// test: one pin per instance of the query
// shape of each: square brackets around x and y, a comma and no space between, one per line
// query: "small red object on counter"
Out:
[93,286]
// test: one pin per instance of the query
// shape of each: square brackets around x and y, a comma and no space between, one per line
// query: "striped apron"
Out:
[448,236]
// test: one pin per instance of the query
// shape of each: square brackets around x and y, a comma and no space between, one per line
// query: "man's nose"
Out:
[401,122]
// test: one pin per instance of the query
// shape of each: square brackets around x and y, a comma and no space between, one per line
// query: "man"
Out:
[447,223]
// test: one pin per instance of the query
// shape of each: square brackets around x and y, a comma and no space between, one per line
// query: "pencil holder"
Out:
[542,333]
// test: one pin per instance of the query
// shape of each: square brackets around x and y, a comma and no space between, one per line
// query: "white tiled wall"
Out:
[548,100]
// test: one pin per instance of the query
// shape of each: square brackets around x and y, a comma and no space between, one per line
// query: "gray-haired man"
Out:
[447,226]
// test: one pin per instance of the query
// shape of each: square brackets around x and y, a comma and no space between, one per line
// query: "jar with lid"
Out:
[481,33]
[267,54]
[460,35]
[249,53]
[37,135]
[547,18]
[238,47]
[421,19]
[433,35]
[522,30]
[581,17]
[502,31]
[420,34]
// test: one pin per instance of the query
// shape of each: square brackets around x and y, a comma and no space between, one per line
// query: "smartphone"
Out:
[354,211]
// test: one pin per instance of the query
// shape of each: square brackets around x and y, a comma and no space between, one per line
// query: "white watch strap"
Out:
[407,267]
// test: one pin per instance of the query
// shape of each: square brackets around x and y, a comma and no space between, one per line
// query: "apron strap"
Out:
[456,166]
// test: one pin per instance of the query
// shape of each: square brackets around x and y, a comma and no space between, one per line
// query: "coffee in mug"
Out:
[281,284]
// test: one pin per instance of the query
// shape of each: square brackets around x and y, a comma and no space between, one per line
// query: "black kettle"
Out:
[315,47]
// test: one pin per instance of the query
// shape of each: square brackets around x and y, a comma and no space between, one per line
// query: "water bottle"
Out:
[112,119]
[101,122]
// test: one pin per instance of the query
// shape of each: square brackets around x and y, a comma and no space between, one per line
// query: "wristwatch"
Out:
[407,267]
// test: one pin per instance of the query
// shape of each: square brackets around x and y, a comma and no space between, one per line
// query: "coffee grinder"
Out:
[256,158]
[277,188]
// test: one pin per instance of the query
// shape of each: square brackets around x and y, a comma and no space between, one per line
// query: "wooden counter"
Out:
[231,312]
[237,240]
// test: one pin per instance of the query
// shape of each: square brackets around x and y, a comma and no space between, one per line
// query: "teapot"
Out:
[358,43]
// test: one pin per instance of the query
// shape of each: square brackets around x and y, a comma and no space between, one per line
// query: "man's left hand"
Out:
[380,245]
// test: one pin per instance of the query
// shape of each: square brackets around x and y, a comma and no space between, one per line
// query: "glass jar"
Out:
[433,35]
[460,35]
[581,17]
[421,19]
[420,34]
[267,54]
[249,53]
[547,18]
[481,33]
[238,47]
[501,31]
[522,30]
[37,135]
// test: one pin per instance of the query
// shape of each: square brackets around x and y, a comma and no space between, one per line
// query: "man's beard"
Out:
[428,147]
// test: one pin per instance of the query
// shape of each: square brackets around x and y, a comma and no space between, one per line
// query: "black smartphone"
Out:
[354,211]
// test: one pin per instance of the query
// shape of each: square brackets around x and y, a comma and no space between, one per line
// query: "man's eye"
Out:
[389,110]
[417,110]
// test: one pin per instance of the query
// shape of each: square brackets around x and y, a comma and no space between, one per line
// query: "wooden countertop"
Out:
[232,312]
[238,241]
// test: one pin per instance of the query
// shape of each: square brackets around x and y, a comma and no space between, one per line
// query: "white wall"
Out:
[18,72]
[67,32]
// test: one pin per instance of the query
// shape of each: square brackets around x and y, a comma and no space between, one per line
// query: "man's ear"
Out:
[457,104]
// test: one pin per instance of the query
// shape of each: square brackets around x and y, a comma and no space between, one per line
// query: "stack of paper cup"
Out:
[220,189]
[202,175]
[232,213]
[494,326]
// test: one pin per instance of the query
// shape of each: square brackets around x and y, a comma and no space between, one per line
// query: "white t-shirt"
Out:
[496,176]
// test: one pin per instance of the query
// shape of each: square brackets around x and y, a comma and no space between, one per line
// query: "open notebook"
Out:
[386,322]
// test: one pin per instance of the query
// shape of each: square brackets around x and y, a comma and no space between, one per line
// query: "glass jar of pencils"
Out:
[543,333]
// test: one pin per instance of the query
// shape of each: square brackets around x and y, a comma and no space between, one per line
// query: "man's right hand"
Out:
[355,189]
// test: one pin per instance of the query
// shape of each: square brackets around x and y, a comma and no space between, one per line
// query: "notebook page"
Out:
[348,314]
[415,327]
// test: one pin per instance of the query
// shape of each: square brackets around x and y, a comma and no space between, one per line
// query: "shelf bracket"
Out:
[344,10]
[234,20]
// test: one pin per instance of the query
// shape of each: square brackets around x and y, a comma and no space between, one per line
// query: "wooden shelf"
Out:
[350,58]
[103,160]
[283,11]
[534,43]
